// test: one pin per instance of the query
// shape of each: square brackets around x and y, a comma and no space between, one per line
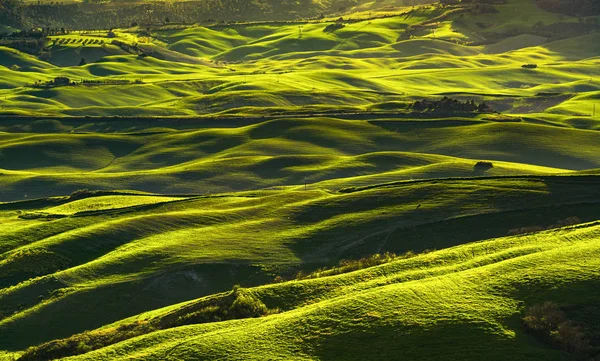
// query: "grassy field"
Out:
[462,297]
[75,273]
[323,153]
[186,160]
[267,68]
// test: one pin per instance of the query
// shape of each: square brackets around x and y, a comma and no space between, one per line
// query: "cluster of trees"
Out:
[335,26]
[64,81]
[32,45]
[58,81]
[35,33]
[550,324]
[449,105]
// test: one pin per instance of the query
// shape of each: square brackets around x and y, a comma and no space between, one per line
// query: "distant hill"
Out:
[102,15]
[10,13]
[572,7]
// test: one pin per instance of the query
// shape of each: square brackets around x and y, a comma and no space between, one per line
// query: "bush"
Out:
[345,265]
[484,164]
[548,322]
[333,27]
[85,342]
[81,194]
[545,317]
[246,305]
[570,221]
[525,230]
[236,304]
[449,105]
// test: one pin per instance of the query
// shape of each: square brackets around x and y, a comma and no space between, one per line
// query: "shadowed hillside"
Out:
[299,180]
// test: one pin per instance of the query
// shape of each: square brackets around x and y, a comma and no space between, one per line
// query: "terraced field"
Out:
[296,190]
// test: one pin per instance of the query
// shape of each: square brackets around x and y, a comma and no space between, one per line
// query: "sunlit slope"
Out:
[282,152]
[369,64]
[463,303]
[64,272]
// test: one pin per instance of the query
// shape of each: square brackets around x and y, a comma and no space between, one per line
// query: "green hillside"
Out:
[374,60]
[300,180]
[465,305]
[64,260]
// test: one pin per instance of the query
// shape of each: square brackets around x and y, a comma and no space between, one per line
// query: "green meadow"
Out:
[301,189]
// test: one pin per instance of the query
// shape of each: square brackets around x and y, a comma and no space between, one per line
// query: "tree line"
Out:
[89,14]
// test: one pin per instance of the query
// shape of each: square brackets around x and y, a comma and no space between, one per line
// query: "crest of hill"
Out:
[476,293]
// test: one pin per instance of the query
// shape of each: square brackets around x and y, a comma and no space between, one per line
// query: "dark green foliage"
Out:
[82,193]
[548,322]
[350,265]
[10,13]
[570,221]
[449,105]
[237,304]
[26,42]
[482,164]
[564,30]
[85,342]
[571,7]
[333,27]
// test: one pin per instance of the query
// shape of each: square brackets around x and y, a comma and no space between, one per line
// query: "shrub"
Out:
[548,322]
[345,265]
[85,342]
[449,105]
[484,164]
[81,194]
[246,305]
[544,317]
[570,221]
[333,27]
[525,230]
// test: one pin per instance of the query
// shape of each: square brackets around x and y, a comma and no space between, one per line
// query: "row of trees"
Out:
[64,81]
[449,105]
[88,15]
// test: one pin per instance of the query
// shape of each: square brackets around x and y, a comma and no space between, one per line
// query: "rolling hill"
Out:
[310,180]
